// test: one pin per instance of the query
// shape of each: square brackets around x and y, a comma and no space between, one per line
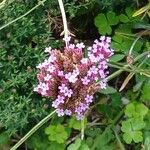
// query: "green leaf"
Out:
[76,124]
[130,110]
[123,18]
[108,90]
[137,123]
[117,38]
[137,136]
[147,141]
[102,140]
[100,20]
[89,141]
[56,146]
[117,57]
[4,138]
[102,24]
[136,110]
[112,18]
[84,146]
[75,145]
[56,133]
[146,92]
[126,126]
[116,46]
[127,138]
[103,30]
[141,109]
[129,12]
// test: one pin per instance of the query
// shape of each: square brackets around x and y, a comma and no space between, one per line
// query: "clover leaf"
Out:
[56,133]
[132,127]
[112,18]
[136,110]
[136,136]
[102,24]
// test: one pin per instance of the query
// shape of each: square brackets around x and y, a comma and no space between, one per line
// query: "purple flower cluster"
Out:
[70,79]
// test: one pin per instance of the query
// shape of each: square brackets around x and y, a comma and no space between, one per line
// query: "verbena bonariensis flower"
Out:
[70,79]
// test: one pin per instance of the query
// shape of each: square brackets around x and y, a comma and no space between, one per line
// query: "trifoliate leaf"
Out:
[112,18]
[56,133]
[123,18]
[100,20]
[136,110]
[136,136]
[102,24]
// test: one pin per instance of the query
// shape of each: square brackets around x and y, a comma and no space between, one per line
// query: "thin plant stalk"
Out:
[63,14]
[82,128]
[33,130]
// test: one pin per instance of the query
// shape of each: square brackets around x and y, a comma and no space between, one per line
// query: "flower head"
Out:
[70,79]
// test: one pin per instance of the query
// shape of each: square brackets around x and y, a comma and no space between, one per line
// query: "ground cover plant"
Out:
[80,85]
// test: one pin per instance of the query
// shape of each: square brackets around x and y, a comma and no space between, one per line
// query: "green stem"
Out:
[11,22]
[33,130]
[126,66]
[132,70]
[82,129]
[121,146]
[131,49]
